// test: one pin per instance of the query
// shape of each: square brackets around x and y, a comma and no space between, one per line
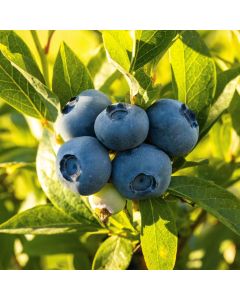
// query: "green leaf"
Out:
[181,163]
[222,139]
[227,82]
[216,200]
[119,47]
[14,43]
[54,244]
[70,76]
[234,109]
[23,62]
[13,165]
[115,253]
[96,62]
[151,44]
[17,154]
[218,171]
[194,74]
[105,87]
[60,196]
[122,220]
[25,92]
[148,92]
[6,251]
[21,54]
[158,234]
[81,260]
[42,219]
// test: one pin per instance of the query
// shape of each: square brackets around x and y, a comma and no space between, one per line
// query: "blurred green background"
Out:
[209,245]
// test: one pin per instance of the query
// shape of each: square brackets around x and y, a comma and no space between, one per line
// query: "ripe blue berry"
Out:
[122,126]
[141,172]
[83,165]
[79,114]
[173,127]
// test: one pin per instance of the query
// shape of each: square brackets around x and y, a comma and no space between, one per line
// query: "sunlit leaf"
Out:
[151,44]
[42,219]
[115,253]
[226,85]
[158,234]
[194,74]
[119,46]
[70,76]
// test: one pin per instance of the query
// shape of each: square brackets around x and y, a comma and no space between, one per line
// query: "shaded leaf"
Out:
[218,171]
[182,163]
[25,92]
[48,245]
[6,251]
[115,253]
[216,200]
[81,260]
[158,234]
[70,76]
[194,74]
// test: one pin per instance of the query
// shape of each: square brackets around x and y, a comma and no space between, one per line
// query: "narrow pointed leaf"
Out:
[70,76]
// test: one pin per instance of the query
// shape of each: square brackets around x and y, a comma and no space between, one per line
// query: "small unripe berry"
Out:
[107,201]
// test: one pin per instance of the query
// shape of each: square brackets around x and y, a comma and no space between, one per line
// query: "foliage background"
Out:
[203,241]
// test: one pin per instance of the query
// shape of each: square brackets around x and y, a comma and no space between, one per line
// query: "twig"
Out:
[47,47]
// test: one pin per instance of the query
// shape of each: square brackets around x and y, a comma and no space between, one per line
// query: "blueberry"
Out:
[122,126]
[79,114]
[107,201]
[141,172]
[83,165]
[173,127]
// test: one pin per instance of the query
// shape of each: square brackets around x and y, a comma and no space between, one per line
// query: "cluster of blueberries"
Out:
[142,143]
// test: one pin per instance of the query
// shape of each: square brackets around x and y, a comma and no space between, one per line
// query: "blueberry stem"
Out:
[42,56]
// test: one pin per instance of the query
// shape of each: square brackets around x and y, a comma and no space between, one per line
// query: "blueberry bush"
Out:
[67,151]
